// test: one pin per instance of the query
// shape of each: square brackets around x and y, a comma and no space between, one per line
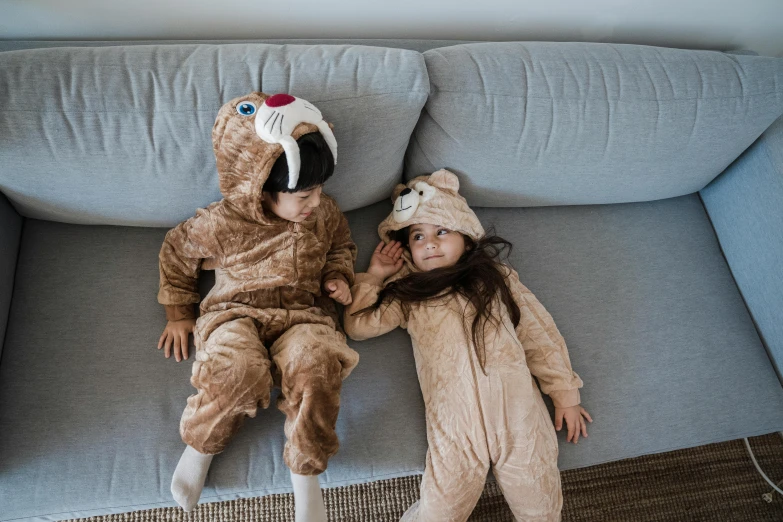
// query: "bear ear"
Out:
[445,180]
[399,188]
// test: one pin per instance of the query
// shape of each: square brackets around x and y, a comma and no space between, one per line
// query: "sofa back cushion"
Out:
[122,135]
[533,123]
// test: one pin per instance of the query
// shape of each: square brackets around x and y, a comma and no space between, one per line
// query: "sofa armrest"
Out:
[10,235]
[745,205]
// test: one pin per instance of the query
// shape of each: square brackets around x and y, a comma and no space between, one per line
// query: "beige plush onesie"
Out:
[475,421]
[265,321]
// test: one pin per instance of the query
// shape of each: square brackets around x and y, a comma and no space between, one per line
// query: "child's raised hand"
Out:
[339,291]
[386,260]
[575,420]
[176,335]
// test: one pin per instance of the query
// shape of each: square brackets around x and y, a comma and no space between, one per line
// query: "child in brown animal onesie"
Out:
[479,336]
[276,244]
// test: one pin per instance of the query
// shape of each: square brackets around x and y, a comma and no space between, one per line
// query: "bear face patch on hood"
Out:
[250,133]
[434,200]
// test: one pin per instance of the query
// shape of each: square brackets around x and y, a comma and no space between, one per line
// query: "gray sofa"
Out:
[642,189]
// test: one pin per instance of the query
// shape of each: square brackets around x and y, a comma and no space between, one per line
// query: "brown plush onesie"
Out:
[474,421]
[265,321]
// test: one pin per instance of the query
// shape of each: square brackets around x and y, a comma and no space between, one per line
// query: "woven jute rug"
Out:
[717,482]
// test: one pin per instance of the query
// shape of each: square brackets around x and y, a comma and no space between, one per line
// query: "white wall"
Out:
[716,24]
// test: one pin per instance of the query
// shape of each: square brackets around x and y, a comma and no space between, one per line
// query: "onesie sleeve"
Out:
[384,319]
[179,261]
[545,348]
[342,252]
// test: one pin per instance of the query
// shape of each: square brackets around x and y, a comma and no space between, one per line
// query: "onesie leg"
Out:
[231,374]
[313,360]
[526,470]
[451,487]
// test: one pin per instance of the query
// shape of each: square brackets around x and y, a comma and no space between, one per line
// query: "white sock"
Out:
[308,501]
[188,479]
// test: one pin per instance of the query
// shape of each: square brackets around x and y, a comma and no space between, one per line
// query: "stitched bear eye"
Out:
[421,193]
[246,108]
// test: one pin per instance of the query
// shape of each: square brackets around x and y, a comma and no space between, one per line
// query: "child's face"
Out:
[294,206]
[434,247]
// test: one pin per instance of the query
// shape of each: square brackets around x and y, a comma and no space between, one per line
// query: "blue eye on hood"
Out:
[246,108]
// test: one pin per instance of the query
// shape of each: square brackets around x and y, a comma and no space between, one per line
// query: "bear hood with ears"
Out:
[434,200]
[250,133]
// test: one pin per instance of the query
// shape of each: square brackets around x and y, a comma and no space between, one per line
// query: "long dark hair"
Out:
[479,276]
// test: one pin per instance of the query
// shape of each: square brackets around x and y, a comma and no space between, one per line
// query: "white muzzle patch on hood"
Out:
[409,199]
[277,118]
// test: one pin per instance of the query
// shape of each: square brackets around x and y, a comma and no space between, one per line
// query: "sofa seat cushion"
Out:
[654,322]
[89,410]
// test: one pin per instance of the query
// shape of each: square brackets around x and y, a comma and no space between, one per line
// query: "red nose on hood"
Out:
[280,100]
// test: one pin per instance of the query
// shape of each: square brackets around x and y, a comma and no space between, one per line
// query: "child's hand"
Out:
[176,334]
[386,260]
[575,420]
[339,291]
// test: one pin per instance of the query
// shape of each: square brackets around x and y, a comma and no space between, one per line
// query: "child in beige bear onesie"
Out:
[479,336]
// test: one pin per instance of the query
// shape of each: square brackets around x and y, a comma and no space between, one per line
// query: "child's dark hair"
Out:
[479,275]
[317,165]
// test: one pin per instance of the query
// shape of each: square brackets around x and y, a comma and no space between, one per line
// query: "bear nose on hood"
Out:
[405,192]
